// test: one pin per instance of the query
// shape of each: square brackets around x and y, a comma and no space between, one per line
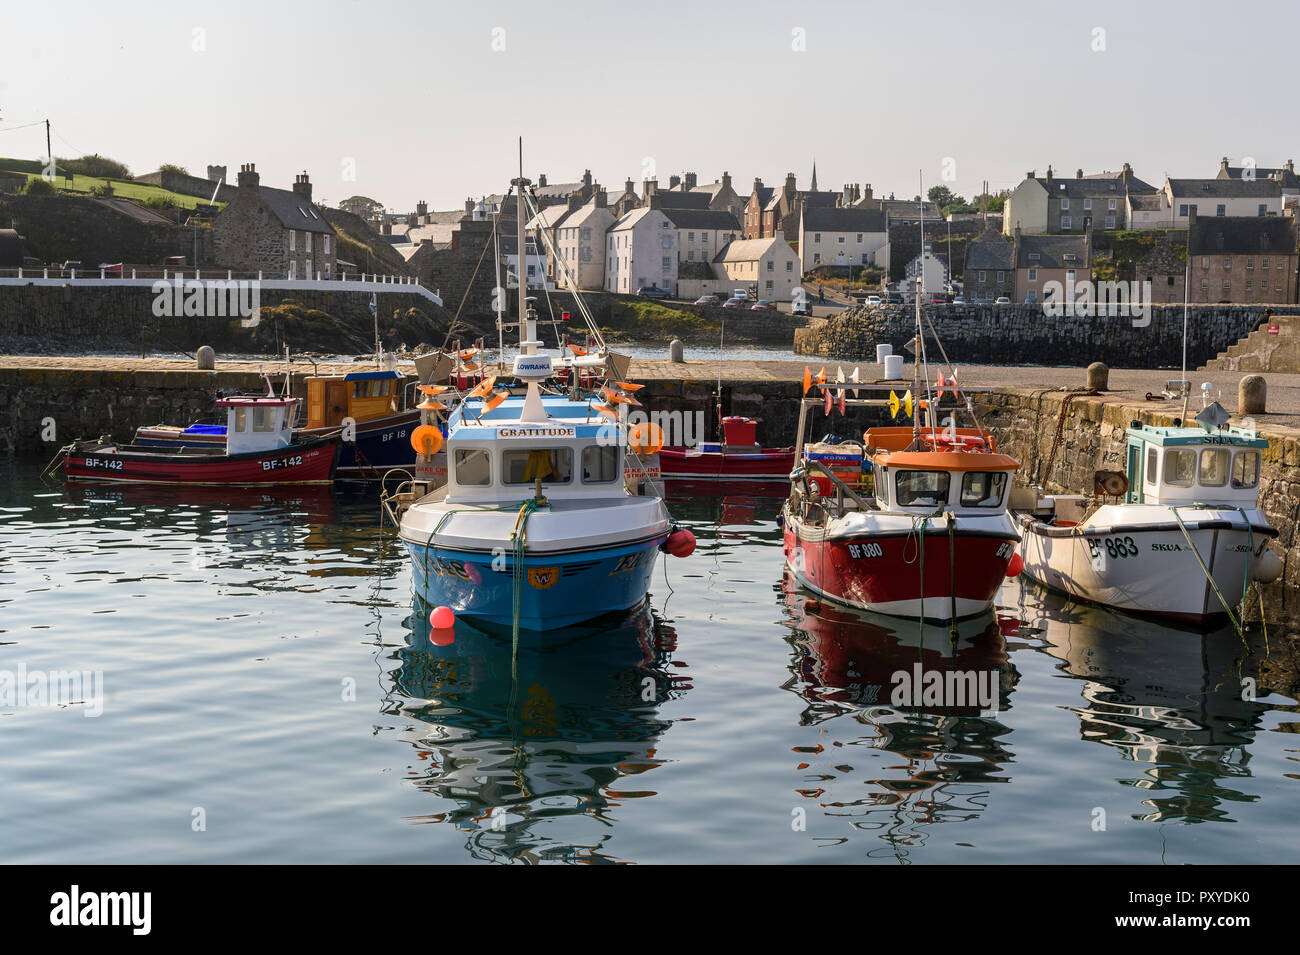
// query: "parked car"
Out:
[938,300]
[894,298]
[71,264]
[1002,300]
[30,262]
[708,300]
[651,291]
[740,293]
[874,300]
[959,300]
[762,305]
[801,307]
[111,271]
[733,302]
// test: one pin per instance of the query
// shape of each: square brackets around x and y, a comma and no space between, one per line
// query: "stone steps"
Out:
[1260,351]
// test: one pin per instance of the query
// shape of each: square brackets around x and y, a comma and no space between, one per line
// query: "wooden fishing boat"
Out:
[259,448]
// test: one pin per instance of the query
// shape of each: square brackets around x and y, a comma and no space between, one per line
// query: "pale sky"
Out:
[415,98]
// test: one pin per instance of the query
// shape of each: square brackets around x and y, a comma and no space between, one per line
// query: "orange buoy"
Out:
[646,438]
[807,379]
[607,411]
[426,439]
[1015,565]
[482,388]
[629,386]
[826,400]
[496,399]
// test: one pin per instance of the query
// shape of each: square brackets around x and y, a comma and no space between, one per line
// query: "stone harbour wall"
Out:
[1024,335]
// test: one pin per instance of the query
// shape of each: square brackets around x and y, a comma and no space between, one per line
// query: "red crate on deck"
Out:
[739,431]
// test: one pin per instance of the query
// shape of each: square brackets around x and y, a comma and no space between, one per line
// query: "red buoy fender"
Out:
[680,543]
[1015,565]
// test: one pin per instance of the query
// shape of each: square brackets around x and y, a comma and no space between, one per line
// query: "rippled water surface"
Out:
[269,695]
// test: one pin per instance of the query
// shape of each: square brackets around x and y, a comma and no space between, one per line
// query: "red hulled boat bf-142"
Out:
[259,448]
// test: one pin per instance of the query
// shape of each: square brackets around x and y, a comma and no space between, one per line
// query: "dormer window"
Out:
[1034,256]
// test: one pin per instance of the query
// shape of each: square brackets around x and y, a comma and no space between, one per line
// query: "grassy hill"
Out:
[122,188]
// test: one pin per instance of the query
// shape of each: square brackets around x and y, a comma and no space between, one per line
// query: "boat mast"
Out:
[916,365]
[526,344]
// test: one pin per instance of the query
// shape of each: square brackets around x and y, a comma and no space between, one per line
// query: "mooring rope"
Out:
[1232,618]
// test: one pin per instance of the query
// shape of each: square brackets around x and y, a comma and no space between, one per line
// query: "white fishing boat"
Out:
[538,526]
[1179,534]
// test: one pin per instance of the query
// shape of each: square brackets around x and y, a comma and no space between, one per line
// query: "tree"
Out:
[995,200]
[943,197]
[172,167]
[96,165]
[362,206]
[38,187]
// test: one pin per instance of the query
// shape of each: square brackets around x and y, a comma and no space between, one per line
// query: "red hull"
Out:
[683,464]
[303,463]
[883,572]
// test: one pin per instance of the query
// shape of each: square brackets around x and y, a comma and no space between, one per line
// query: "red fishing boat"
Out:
[258,449]
[737,457]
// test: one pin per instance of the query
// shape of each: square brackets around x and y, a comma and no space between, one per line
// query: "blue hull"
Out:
[557,591]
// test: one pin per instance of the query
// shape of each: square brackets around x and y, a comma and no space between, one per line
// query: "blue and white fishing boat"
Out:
[537,526]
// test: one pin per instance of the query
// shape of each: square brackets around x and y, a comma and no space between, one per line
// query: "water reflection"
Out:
[1168,700]
[586,720]
[845,665]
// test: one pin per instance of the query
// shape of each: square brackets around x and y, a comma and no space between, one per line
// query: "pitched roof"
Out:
[702,219]
[834,219]
[990,251]
[675,199]
[1152,203]
[293,211]
[1242,235]
[764,196]
[746,250]
[584,214]
[1109,187]
[1225,188]
[549,217]
[1287,177]
[820,199]
[632,217]
[1052,251]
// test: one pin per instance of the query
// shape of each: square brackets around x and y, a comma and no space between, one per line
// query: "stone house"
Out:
[782,213]
[277,232]
[769,265]
[1056,205]
[990,269]
[1147,212]
[534,261]
[1285,175]
[720,196]
[1221,197]
[759,197]
[580,242]
[829,235]
[1244,260]
[1064,259]
[641,251]
[702,233]
[1165,270]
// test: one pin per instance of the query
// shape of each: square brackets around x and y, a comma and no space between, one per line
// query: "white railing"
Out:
[147,276]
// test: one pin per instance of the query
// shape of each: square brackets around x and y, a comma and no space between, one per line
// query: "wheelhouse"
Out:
[956,470]
[1181,465]
[258,423]
[361,396]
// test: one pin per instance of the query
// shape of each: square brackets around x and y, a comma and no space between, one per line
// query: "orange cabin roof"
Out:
[975,450]
[947,461]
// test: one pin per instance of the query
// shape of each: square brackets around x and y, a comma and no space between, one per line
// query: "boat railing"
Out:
[842,490]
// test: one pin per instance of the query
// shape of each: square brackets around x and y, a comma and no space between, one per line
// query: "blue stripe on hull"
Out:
[558,591]
[382,448]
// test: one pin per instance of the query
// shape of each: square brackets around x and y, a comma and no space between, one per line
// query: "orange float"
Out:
[646,438]
[426,439]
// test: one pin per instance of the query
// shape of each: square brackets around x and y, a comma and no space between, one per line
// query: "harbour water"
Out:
[270,695]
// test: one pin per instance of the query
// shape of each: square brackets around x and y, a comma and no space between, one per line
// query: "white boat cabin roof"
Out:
[1193,464]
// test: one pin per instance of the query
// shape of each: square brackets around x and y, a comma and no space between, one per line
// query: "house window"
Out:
[1263,209]
[1065,204]
[1263,285]
[293,269]
[817,236]
[1110,222]
[1034,256]
[668,263]
[1250,265]
[1263,263]
[1227,287]
[690,237]
[770,285]
[1227,265]
[306,241]
[307,272]
[1067,222]
[1205,262]
[983,276]
[1031,297]
[1205,285]
[841,240]
[690,256]
[817,258]
[866,258]
[1146,217]
[1182,208]
[1250,286]
[293,240]
[789,266]
[1220,210]
[1110,204]
[859,238]
[771,266]
[327,245]
[1033,275]
[1087,205]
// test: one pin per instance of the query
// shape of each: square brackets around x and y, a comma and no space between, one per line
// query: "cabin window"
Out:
[921,488]
[371,388]
[1245,469]
[599,464]
[1180,468]
[263,419]
[982,488]
[552,465]
[1214,467]
[473,467]
[1150,476]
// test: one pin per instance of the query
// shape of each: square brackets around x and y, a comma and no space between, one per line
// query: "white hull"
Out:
[1135,558]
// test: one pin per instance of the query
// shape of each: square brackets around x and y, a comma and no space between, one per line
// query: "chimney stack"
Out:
[586,177]
[690,181]
[789,184]
[1049,177]
[674,182]
[541,180]
[726,178]
[575,200]
[1223,167]
[302,186]
[469,205]
[421,208]
[656,200]
[602,198]
[248,176]
[1078,174]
